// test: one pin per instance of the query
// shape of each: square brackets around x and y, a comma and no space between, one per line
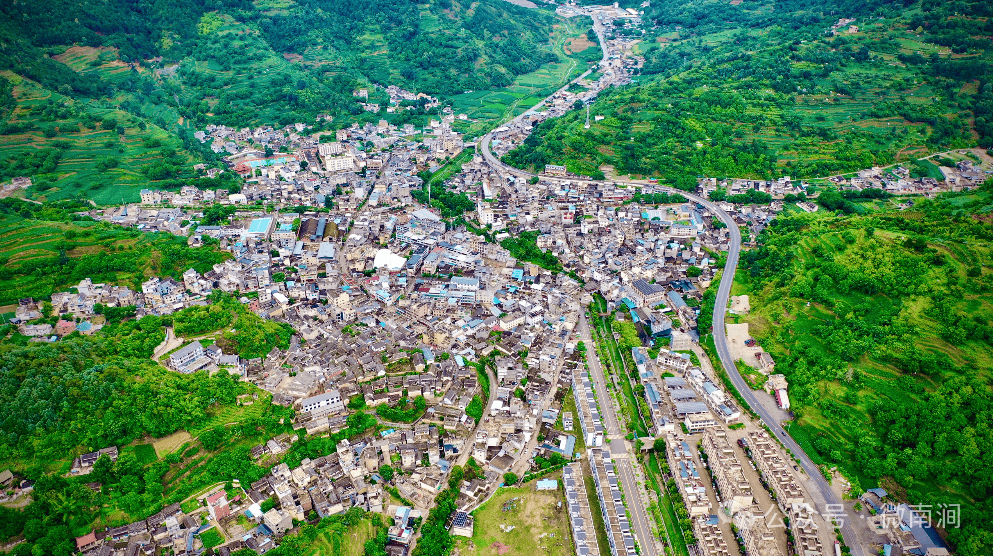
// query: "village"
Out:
[395,296]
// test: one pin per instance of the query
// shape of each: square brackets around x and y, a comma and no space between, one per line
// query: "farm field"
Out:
[351,543]
[737,101]
[496,105]
[102,151]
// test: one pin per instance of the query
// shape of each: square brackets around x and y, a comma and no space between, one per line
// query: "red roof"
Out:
[86,540]
[214,498]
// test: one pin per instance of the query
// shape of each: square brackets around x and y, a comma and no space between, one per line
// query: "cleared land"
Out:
[169,444]
[540,525]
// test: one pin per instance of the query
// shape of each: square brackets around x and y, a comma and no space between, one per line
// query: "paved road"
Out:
[640,522]
[610,424]
[720,336]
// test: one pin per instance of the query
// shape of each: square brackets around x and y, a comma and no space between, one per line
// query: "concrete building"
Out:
[323,404]
[735,490]
[710,540]
[278,521]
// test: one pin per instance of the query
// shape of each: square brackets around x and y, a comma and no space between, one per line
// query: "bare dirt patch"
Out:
[168,444]
[578,44]
[737,334]
[523,3]
[739,305]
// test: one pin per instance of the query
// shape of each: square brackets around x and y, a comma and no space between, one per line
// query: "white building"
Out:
[323,404]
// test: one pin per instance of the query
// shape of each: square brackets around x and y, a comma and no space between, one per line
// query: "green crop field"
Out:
[725,98]
[501,104]
[881,325]
[103,152]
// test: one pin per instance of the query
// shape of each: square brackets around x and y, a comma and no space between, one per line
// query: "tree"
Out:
[694,272]
[103,470]
[659,445]
[509,479]
[386,472]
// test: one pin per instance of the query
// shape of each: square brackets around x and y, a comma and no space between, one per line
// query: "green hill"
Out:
[101,99]
[882,325]
[750,91]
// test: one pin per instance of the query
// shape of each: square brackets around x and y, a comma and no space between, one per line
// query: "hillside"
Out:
[881,324]
[750,91]
[101,99]
[45,249]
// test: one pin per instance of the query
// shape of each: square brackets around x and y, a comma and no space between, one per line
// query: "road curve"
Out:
[720,333]
[720,310]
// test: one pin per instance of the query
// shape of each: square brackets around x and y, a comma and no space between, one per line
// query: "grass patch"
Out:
[539,523]
[211,538]
[168,444]
[753,377]
[145,453]
[597,511]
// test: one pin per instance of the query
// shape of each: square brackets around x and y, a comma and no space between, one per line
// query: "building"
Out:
[580,516]
[217,505]
[323,404]
[755,533]
[547,484]
[647,294]
[555,170]
[461,525]
[710,540]
[261,228]
[776,470]
[735,489]
[183,359]
[344,163]
[278,521]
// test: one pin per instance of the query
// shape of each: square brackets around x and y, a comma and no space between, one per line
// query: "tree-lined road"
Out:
[827,495]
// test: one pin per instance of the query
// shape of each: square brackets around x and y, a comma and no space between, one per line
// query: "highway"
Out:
[827,495]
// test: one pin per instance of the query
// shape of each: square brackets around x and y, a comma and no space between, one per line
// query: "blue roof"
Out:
[652,396]
[677,300]
[259,225]
[547,484]
[517,274]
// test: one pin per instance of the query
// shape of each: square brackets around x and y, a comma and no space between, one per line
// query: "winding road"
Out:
[816,479]
[827,495]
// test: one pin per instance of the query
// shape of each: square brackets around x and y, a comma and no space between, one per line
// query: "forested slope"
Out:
[765,89]
[882,325]
[47,248]
[101,99]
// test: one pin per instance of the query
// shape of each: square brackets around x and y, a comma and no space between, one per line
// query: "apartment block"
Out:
[710,540]
[776,470]
[755,532]
[727,471]
[580,514]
